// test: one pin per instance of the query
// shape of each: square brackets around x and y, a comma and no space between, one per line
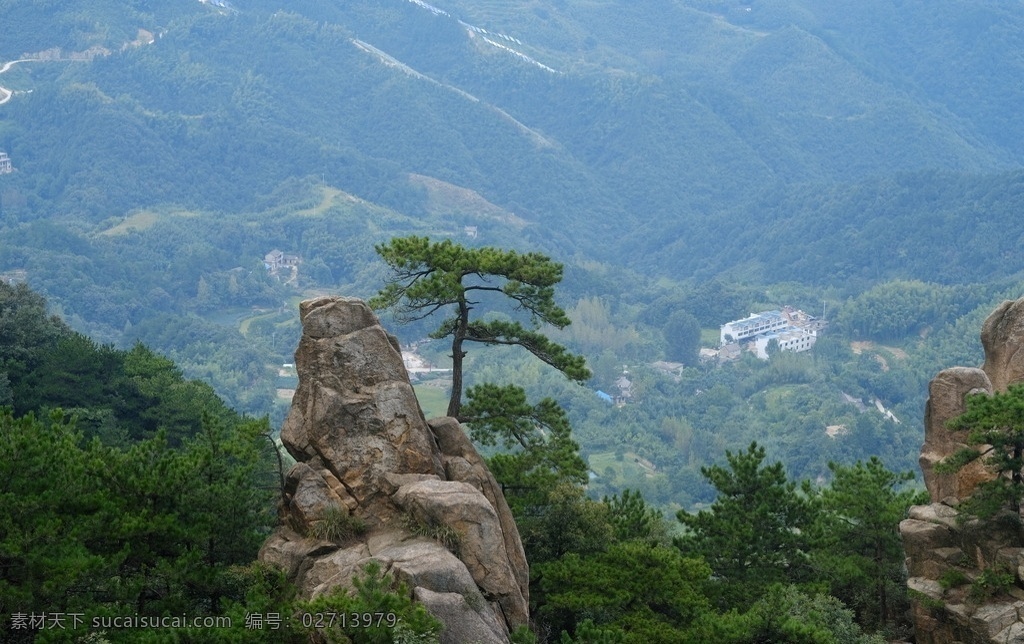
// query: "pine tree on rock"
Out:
[430,277]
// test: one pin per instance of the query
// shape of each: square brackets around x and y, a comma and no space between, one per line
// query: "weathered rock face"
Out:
[940,548]
[946,400]
[1002,336]
[364,450]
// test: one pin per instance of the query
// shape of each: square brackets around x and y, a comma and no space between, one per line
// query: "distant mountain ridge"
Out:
[609,129]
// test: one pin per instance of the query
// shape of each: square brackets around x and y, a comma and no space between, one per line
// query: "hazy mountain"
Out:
[674,124]
[692,158]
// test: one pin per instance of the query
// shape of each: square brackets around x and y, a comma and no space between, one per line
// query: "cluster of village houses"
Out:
[792,329]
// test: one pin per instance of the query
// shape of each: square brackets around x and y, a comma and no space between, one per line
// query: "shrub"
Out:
[394,618]
[337,525]
[991,582]
[439,531]
[953,578]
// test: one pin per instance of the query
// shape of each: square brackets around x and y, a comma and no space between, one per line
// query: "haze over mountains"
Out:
[675,137]
[701,158]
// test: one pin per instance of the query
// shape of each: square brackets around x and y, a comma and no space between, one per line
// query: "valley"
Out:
[709,163]
[183,175]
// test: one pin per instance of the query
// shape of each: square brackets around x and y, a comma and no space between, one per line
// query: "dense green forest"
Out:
[127,489]
[154,511]
[194,287]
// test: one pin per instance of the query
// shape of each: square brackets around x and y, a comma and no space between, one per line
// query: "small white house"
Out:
[792,339]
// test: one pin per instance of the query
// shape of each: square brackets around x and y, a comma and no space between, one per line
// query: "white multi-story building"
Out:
[6,167]
[793,330]
[749,327]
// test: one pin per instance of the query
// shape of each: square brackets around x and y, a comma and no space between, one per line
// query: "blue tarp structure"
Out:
[605,397]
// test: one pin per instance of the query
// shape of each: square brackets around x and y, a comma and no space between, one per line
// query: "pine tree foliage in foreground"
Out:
[857,544]
[108,531]
[540,451]
[755,534]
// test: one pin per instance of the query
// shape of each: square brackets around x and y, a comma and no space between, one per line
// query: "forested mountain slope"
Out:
[601,118]
[699,157]
[934,226]
[690,161]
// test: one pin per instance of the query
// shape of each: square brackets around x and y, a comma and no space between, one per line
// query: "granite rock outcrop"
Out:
[365,452]
[948,557]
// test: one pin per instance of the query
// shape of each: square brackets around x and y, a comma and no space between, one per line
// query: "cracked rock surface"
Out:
[939,544]
[365,453]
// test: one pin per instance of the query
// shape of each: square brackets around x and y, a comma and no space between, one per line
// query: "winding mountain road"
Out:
[6,94]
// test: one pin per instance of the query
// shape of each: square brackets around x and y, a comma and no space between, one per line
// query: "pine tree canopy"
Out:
[445,277]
